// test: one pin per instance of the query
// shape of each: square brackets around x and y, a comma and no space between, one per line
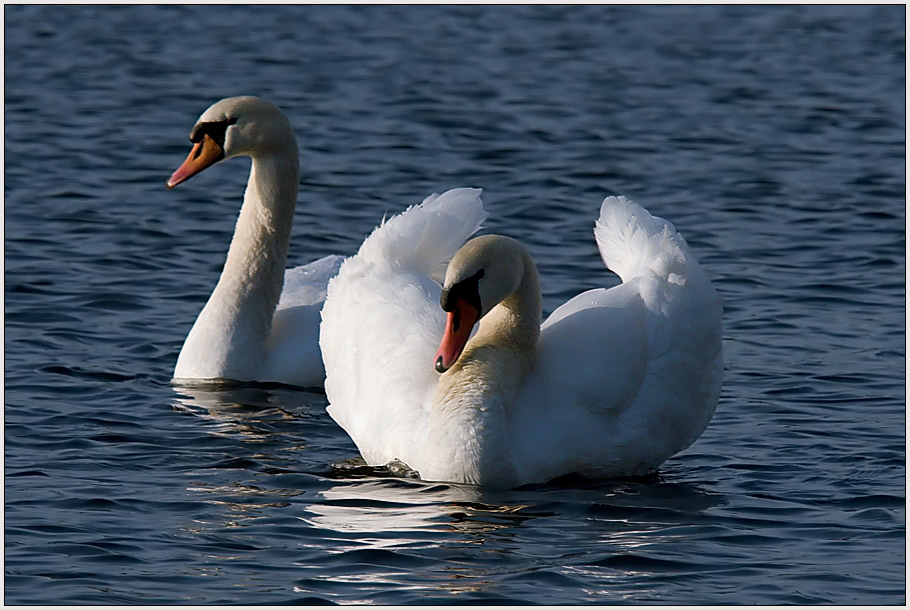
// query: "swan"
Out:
[261,322]
[459,379]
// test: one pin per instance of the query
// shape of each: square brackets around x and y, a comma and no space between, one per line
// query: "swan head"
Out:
[483,273]
[234,127]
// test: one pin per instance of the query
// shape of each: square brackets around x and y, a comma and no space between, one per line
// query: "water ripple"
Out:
[772,136]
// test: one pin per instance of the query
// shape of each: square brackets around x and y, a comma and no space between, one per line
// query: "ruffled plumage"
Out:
[622,378]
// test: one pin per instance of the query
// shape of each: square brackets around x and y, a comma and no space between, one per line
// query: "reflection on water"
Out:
[356,528]
[374,532]
[473,535]
[236,400]
[772,136]
[417,519]
[251,412]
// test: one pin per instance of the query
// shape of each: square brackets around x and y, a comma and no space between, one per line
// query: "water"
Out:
[772,137]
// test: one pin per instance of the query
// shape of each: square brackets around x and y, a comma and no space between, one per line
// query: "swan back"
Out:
[643,360]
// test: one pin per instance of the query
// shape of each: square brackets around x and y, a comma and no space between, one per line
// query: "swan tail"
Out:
[634,243]
[425,237]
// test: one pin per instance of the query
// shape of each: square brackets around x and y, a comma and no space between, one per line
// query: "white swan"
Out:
[612,384]
[261,323]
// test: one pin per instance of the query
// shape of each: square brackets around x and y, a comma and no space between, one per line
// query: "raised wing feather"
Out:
[628,376]
[382,322]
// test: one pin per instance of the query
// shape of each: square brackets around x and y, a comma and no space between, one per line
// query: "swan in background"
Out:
[261,323]
[613,383]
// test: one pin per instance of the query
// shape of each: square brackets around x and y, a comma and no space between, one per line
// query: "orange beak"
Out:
[206,152]
[459,323]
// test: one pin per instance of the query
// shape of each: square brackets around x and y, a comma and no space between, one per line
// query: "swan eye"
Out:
[447,300]
[456,319]
[467,289]
[213,129]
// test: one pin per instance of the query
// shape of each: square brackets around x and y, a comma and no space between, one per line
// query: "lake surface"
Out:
[772,137]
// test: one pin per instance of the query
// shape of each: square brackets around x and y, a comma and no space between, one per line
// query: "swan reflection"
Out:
[245,410]
[390,505]
[358,532]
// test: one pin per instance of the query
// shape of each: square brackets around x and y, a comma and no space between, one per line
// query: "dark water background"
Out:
[773,137]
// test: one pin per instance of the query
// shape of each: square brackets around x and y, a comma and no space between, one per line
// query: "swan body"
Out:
[613,383]
[261,322]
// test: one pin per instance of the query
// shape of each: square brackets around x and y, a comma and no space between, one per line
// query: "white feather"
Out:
[621,380]
[379,336]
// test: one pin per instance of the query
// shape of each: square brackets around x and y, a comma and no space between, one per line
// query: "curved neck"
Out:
[258,253]
[496,359]
[253,276]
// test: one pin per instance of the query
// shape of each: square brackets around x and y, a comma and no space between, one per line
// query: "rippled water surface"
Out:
[772,137]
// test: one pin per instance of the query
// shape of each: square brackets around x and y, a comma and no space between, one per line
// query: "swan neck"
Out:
[515,321]
[260,244]
[253,275]
[502,351]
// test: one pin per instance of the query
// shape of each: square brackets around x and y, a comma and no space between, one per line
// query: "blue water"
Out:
[773,137]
